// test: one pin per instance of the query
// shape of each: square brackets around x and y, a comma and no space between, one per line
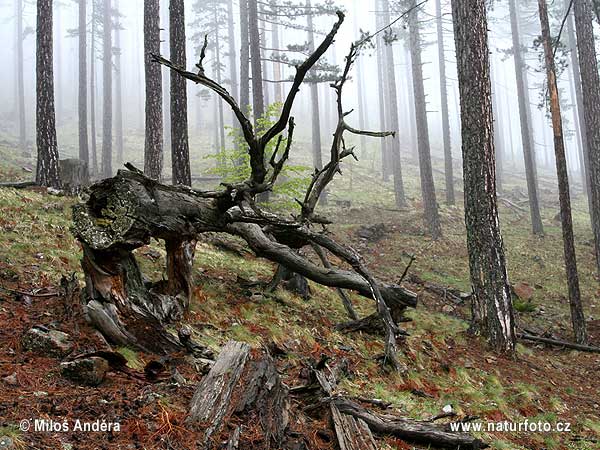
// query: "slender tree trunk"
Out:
[180,151]
[432,220]
[94,156]
[276,66]
[412,125]
[153,145]
[20,80]
[244,57]
[258,101]
[360,87]
[82,108]
[233,77]
[590,82]
[392,101]
[314,97]
[579,115]
[221,124]
[491,301]
[119,94]
[264,68]
[47,171]
[383,116]
[526,137]
[107,121]
[450,200]
[166,81]
[58,87]
[577,316]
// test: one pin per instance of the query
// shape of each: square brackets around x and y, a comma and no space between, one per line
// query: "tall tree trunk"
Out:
[20,81]
[498,141]
[82,107]
[491,301]
[153,145]
[360,87]
[276,66]
[590,82]
[432,220]
[579,115]
[577,316]
[412,125]
[526,137]
[258,101]
[47,170]
[449,173]
[244,57]
[93,96]
[119,93]
[233,77]
[263,41]
[315,113]
[221,122]
[392,102]
[107,89]
[180,151]
[381,88]
[166,79]
[58,65]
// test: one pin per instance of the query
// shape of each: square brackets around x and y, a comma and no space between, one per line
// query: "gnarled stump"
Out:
[243,386]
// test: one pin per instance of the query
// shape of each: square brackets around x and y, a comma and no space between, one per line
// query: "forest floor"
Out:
[446,366]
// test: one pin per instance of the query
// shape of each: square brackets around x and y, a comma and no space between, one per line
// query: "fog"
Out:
[360,15]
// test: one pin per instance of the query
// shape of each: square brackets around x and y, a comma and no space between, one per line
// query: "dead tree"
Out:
[577,316]
[124,212]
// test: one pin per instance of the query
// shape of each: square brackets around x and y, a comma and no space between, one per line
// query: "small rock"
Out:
[47,342]
[447,309]
[447,409]
[40,394]
[523,290]
[11,380]
[90,371]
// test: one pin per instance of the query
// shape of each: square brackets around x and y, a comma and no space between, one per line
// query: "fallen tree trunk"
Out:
[17,184]
[124,212]
[558,343]
[411,430]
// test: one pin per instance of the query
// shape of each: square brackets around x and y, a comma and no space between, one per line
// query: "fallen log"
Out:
[411,430]
[124,212]
[17,184]
[558,343]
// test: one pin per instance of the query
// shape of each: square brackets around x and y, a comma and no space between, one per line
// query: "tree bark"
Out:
[526,137]
[448,172]
[47,170]
[491,301]
[82,105]
[180,150]
[20,81]
[166,82]
[277,73]
[392,104]
[577,316]
[153,145]
[107,122]
[221,120]
[590,82]
[432,220]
